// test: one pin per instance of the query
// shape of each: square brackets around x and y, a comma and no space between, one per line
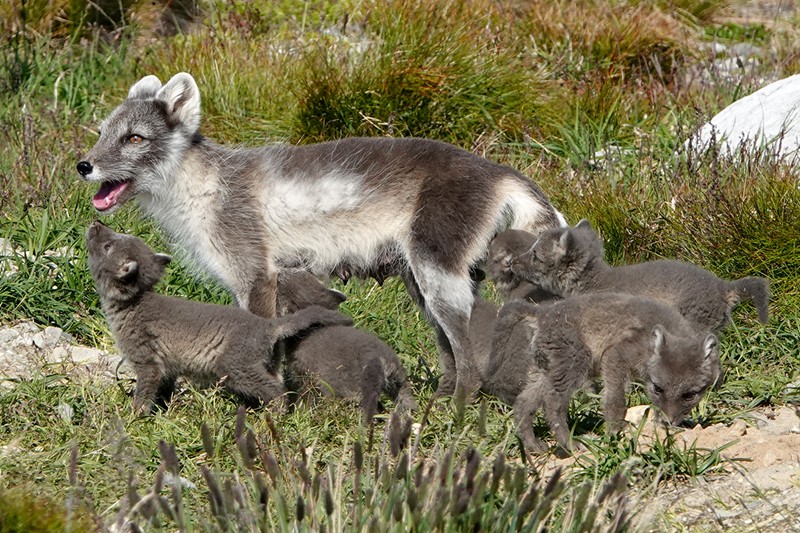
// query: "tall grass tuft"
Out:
[436,70]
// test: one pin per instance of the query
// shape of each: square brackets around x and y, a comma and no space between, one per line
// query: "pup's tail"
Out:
[757,290]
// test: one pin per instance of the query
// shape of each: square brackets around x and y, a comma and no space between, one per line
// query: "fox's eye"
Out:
[657,389]
[135,139]
[690,395]
[107,246]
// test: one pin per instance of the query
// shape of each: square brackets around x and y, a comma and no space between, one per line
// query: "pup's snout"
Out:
[95,228]
[84,168]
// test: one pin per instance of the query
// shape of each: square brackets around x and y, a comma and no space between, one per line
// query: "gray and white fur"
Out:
[569,261]
[421,209]
[338,361]
[165,338]
[542,354]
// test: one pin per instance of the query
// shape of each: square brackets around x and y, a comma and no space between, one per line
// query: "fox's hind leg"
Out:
[447,299]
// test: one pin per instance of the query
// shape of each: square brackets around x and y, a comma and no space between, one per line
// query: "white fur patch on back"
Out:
[331,219]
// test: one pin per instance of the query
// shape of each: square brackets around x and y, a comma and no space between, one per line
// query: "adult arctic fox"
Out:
[421,209]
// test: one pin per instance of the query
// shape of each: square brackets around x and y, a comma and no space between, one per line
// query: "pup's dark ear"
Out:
[565,241]
[128,269]
[584,224]
[163,259]
[657,340]
[337,296]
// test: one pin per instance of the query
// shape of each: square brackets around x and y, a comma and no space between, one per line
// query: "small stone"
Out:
[47,338]
[739,427]
[7,335]
[65,411]
[84,354]
[58,355]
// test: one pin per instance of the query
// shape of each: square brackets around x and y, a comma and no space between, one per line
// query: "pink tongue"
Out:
[106,197]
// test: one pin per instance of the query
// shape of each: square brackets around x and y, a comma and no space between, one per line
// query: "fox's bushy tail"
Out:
[757,290]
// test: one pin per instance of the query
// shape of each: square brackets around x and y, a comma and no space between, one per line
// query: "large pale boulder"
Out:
[767,119]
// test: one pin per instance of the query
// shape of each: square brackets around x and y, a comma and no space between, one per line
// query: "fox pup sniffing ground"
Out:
[542,354]
[165,337]
[420,209]
[569,261]
[339,361]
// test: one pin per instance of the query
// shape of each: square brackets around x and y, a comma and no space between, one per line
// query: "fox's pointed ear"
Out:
[710,346]
[128,269]
[657,340]
[584,224]
[565,240]
[183,100]
[146,87]
[339,296]
[163,259]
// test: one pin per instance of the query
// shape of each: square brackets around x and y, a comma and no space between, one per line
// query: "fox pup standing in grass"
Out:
[165,337]
[339,360]
[542,354]
[420,209]
[569,261]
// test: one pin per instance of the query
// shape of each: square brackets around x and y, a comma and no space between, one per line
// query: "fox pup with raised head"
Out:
[339,361]
[542,354]
[569,261]
[165,337]
[421,209]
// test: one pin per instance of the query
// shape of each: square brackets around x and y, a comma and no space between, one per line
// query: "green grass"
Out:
[540,87]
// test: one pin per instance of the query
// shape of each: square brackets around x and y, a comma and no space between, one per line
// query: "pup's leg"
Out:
[149,384]
[525,406]
[556,405]
[448,301]
[294,323]
[254,384]
[615,403]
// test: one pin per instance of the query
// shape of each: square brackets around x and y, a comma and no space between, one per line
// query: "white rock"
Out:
[84,354]
[58,355]
[768,118]
[8,335]
[65,411]
[47,338]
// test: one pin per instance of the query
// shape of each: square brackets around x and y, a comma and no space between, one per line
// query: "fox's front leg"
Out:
[263,293]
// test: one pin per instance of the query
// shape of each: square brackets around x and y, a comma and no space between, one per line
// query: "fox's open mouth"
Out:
[108,195]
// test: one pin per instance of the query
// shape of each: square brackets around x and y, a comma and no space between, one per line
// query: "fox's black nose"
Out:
[84,168]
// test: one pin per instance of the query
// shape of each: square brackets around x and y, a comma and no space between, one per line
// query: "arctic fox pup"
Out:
[569,261]
[339,361]
[165,337]
[542,354]
[421,209]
